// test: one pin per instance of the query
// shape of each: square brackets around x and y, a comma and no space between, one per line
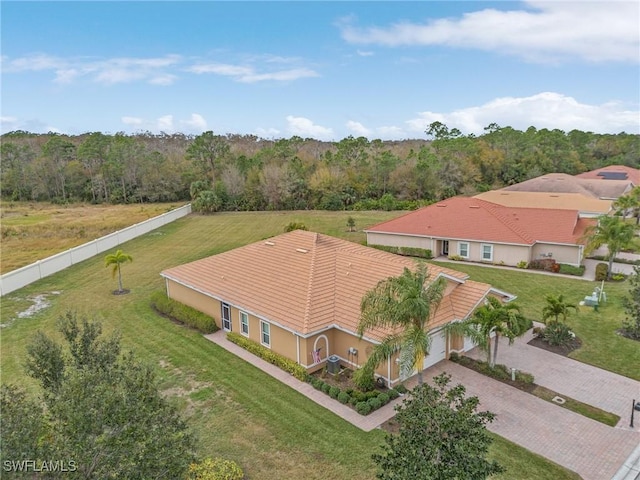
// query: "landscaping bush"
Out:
[334,392]
[374,403]
[571,270]
[317,383]
[401,389]
[524,377]
[384,398]
[270,356]
[182,313]
[363,408]
[393,394]
[371,394]
[325,388]
[558,334]
[602,270]
[406,251]
[353,401]
[363,379]
[456,258]
[344,397]
[547,264]
[215,469]
[522,264]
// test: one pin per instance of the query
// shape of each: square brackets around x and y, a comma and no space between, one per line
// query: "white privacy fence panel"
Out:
[24,276]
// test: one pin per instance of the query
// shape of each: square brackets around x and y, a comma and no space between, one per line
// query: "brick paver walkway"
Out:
[592,449]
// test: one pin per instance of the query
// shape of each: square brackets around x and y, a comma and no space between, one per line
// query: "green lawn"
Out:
[237,411]
[601,345]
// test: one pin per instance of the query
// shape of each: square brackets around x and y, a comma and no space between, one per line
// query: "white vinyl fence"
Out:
[42,268]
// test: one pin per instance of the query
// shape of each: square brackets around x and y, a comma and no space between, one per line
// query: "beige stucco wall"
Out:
[400,241]
[194,299]
[571,254]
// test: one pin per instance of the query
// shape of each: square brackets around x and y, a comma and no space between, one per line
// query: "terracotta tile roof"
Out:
[306,281]
[632,174]
[462,218]
[564,183]
[561,201]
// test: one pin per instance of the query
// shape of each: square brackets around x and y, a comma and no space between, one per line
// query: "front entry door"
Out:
[445,248]
[226,317]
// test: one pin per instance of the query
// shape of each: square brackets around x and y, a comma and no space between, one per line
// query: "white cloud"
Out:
[195,124]
[248,74]
[358,129]
[543,32]
[132,121]
[165,123]
[267,132]
[305,128]
[544,110]
[364,53]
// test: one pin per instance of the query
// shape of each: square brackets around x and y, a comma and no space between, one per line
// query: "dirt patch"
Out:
[39,303]
[563,350]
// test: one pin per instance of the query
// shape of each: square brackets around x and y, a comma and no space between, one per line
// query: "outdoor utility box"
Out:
[333,364]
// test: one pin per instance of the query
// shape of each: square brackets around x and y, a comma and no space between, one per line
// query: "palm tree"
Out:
[612,231]
[624,205]
[493,318]
[556,307]
[404,305]
[116,259]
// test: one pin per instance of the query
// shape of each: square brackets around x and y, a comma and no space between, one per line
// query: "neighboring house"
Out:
[564,183]
[614,172]
[587,206]
[299,294]
[481,231]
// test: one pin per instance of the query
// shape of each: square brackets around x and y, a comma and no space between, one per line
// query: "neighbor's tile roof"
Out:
[633,174]
[473,219]
[560,201]
[307,281]
[564,183]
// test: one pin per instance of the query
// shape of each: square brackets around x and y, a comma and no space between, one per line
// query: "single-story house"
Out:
[565,183]
[587,206]
[481,231]
[614,172]
[299,294]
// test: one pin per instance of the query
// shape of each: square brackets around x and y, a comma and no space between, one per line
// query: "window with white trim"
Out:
[463,249]
[487,252]
[244,323]
[265,336]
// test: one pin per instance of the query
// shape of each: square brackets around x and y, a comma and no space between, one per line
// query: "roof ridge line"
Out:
[505,220]
[312,271]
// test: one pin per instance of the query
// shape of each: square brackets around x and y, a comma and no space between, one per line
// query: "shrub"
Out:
[371,394]
[547,264]
[522,264]
[363,408]
[524,377]
[401,389]
[406,251]
[182,313]
[359,396]
[393,394]
[558,334]
[457,258]
[602,270]
[295,226]
[363,379]
[325,388]
[344,397]
[374,403]
[270,356]
[618,277]
[384,398]
[353,401]
[571,270]
[215,469]
[317,383]
[334,392]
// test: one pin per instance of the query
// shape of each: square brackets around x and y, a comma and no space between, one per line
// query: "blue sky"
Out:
[319,69]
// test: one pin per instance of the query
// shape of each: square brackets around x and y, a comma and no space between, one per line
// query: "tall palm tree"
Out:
[116,259]
[493,319]
[612,231]
[403,304]
[556,307]
[625,205]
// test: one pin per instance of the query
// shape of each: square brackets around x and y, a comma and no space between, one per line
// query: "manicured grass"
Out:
[601,345]
[32,231]
[583,409]
[237,411]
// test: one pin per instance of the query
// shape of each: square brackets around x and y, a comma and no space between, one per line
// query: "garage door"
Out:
[438,349]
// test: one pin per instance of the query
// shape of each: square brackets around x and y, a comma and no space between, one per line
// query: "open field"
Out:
[237,411]
[33,231]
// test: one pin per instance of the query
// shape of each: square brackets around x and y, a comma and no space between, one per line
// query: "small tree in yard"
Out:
[351,223]
[441,437]
[631,324]
[556,307]
[115,260]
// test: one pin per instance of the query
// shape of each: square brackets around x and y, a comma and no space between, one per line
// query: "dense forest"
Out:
[244,172]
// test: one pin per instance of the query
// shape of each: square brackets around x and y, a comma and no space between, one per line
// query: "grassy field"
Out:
[237,411]
[33,231]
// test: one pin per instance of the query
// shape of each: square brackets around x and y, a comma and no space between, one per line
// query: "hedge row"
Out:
[498,371]
[363,402]
[269,355]
[182,313]
[406,251]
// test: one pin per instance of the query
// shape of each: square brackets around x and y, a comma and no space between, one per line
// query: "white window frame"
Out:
[268,334]
[490,259]
[460,244]
[244,321]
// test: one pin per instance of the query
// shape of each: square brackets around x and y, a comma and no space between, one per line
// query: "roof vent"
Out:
[474,206]
[269,242]
[301,250]
[441,204]
[554,196]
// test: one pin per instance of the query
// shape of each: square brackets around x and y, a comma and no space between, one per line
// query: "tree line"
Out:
[245,172]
